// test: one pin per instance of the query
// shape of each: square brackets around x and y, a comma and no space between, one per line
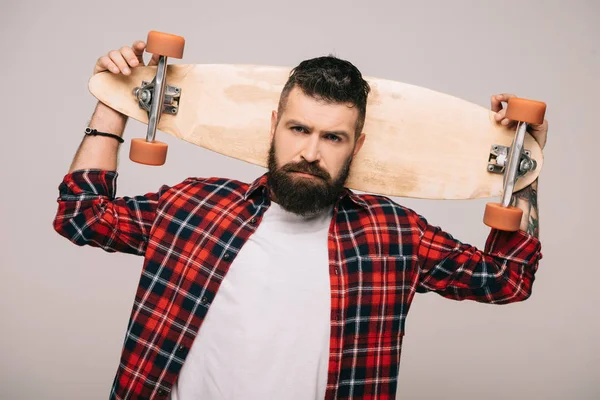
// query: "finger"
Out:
[496,103]
[154,59]
[104,63]
[499,116]
[509,123]
[129,56]
[138,49]
[497,100]
[505,96]
[119,61]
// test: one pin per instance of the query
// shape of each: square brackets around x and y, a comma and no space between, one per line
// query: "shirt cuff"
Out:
[95,182]
[518,246]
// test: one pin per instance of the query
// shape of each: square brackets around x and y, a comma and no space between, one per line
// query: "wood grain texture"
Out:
[420,143]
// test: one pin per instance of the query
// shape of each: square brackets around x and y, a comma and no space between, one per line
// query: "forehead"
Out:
[319,113]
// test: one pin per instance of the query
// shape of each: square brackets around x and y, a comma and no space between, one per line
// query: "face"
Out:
[312,148]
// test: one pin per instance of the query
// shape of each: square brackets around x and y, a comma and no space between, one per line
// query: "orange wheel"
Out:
[149,153]
[523,110]
[502,218]
[165,44]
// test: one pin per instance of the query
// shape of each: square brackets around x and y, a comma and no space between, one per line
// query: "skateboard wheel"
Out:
[165,44]
[149,153]
[523,110]
[502,218]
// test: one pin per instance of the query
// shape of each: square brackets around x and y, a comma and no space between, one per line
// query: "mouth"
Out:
[305,175]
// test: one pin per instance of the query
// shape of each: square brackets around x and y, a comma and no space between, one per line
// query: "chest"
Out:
[369,268]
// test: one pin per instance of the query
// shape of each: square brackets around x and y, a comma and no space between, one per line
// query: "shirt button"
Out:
[226,256]
[337,272]
[253,220]
[180,348]
[204,300]
[162,392]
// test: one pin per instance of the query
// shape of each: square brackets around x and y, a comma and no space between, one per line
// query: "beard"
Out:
[302,195]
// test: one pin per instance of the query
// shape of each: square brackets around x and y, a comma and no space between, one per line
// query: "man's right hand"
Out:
[121,61]
[99,152]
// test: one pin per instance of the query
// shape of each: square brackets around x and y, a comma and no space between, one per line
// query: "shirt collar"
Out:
[262,183]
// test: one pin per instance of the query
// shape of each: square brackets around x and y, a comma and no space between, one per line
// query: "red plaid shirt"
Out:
[380,255]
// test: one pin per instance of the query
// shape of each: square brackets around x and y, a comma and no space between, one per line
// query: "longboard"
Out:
[419,143]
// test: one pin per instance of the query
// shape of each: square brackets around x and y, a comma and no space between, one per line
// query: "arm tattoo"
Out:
[527,199]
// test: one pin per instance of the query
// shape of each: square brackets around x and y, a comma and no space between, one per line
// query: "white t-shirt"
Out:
[266,334]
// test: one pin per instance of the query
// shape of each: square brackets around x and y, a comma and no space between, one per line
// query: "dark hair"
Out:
[331,79]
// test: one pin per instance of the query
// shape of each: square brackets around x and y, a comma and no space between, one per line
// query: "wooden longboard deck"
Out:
[420,143]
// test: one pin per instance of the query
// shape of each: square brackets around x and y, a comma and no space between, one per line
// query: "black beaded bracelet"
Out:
[93,132]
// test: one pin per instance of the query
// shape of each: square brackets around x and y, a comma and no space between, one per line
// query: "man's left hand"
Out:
[539,132]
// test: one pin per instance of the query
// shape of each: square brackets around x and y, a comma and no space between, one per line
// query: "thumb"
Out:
[154,59]
[138,49]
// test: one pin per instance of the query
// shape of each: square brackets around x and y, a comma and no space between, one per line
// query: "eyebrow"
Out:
[293,122]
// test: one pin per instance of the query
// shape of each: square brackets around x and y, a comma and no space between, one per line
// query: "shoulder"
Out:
[208,187]
[379,205]
[385,213]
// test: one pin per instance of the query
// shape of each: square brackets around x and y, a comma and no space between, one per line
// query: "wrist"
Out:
[106,119]
[526,199]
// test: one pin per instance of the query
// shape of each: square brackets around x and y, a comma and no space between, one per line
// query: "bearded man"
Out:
[288,287]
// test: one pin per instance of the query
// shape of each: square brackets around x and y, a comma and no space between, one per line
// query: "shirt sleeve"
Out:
[502,273]
[90,214]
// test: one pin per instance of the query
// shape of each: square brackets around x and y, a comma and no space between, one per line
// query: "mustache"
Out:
[306,168]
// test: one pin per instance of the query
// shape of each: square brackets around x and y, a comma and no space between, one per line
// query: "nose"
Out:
[311,152]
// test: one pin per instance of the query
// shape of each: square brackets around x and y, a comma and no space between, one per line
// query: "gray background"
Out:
[64,309]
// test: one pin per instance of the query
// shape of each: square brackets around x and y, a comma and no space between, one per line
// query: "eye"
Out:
[299,129]
[334,138]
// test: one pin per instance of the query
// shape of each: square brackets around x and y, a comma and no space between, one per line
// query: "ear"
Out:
[359,143]
[273,123]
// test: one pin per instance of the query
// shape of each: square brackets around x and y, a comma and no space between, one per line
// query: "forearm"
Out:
[90,213]
[100,152]
[527,200]
[500,273]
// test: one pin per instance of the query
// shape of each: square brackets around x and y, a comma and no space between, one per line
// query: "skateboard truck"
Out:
[514,162]
[499,155]
[157,97]
[170,100]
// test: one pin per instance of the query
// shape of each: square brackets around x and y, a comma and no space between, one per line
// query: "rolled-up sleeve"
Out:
[89,213]
[503,272]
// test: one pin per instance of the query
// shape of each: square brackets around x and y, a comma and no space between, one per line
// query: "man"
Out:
[314,282]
